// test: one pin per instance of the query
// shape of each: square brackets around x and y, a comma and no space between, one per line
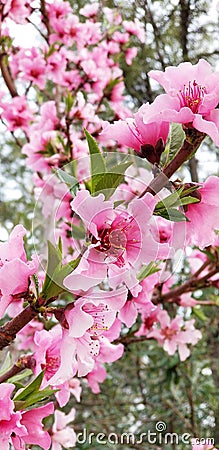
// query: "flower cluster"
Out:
[22,427]
[15,273]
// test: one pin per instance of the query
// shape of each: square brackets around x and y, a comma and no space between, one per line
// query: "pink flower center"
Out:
[120,240]
[117,239]
[149,322]
[98,314]
[112,240]
[51,366]
[192,96]
[168,333]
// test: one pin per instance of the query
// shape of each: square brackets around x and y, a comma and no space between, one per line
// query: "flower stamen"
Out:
[192,96]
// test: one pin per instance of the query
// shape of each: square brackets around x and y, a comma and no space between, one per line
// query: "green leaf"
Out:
[169,201]
[167,207]
[56,284]
[111,180]
[77,232]
[148,270]
[54,262]
[69,101]
[188,190]
[20,404]
[24,374]
[97,162]
[56,272]
[175,141]
[60,245]
[111,85]
[188,200]
[66,177]
[174,200]
[172,214]
[32,387]
[199,313]
[36,283]
[69,180]
[99,166]
[39,396]
[7,364]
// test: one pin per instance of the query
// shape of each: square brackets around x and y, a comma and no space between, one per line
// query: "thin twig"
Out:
[24,362]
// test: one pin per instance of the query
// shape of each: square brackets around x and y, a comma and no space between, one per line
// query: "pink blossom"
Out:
[62,434]
[33,67]
[32,421]
[47,351]
[17,114]
[80,359]
[149,318]
[96,376]
[109,352]
[130,54]
[203,216]
[192,97]
[96,312]
[48,358]
[148,140]
[66,389]
[202,444]
[68,30]
[10,421]
[58,9]
[56,65]
[187,300]
[112,16]
[22,427]
[6,404]
[42,133]
[88,320]
[17,10]
[15,271]
[90,10]
[83,109]
[121,38]
[136,28]
[117,247]
[91,33]
[14,247]
[140,304]
[25,337]
[166,231]
[175,334]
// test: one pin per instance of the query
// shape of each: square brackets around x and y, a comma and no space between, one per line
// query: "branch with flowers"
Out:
[114,221]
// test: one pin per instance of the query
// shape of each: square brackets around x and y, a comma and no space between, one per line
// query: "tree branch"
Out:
[45,18]
[190,285]
[24,362]
[10,329]
[7,76]
[190,145]
[193,162]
